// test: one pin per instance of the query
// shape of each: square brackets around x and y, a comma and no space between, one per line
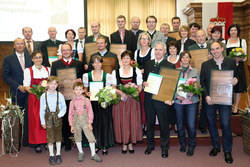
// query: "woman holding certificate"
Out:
[102,123]
[188,105]
[127,113]
[235,42]
[34,134]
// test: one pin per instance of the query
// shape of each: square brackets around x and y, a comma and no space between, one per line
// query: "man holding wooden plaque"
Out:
[154,107]
[200,53]
[68,71]
[101,43]
[226,65]
[50,47]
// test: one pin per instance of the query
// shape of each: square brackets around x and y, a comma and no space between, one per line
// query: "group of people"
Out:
[53,119]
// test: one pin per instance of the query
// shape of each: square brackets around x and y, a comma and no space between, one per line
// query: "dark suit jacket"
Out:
[91,39]
[45,44]
[129,39]
[196,46]
[13,74]
[107,54]
[207,66]
[187,43]
[36,46]
[59,65]
[136,36]
[151,67]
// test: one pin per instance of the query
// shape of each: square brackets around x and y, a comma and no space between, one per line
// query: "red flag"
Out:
[225,10]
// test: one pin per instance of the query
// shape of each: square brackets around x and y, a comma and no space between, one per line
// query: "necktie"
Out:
[81,44]
[21,61]
[29,47]
[202,46]
[121,36]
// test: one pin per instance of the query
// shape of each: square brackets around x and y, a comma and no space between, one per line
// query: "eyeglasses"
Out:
[151,21]
[37,57]
[144,39]
[66,50]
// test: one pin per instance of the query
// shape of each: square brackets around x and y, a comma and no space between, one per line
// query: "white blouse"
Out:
[138,75]
[152,54]
[243,44]
[37,74]
[85,79]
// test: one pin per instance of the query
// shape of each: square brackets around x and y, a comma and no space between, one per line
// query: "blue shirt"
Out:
[52,99]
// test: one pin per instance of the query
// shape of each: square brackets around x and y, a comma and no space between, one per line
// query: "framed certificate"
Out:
[118,49]
[174,35]
[154,83]
[168,84]
[221,88]
[66,79]
[108,64]
[90,48]
[198,57]
[52,54]
[94,88]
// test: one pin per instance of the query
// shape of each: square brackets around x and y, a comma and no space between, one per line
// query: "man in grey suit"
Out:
[30,44]
[155,35]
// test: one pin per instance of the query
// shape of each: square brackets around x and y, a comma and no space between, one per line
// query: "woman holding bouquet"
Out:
[235,42]
[188,105]
[34,134]
[102,123]
[127,114]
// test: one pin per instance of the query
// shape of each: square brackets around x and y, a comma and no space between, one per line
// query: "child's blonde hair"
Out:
[78,84]
[52,78]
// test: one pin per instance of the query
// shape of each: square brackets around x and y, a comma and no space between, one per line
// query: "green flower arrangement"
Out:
[107,96]
[130,89]
[39,89]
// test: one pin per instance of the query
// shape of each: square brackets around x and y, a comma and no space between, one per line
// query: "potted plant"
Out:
[12,119]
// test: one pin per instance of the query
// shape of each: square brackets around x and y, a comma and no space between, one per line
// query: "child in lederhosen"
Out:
[52,109]
[81,118]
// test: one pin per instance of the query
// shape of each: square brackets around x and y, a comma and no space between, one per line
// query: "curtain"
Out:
[106,12]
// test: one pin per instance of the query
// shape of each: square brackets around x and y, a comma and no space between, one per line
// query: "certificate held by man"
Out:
[154,83]
[94,88]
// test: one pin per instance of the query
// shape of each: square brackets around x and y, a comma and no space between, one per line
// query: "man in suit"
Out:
[95,28]
[67,62]
[218,62]
[154,107]
[30,44]
[80,45]
[165,28]
[122,35]
[201,44]
[101,44]
[156,36]
[12,73]
[176,22]
[135,24]
[51,42]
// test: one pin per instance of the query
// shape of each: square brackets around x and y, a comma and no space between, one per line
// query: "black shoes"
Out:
[214,151]
[67,147]
[190,152]
[228,158]
[203,130]
[183,149]
[38,149]
[149,150]
[104,152]
[131,151]
[52,160]
[164,153]
[58,159]
[124,151]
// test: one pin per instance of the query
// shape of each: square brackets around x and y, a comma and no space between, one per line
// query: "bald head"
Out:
[52,33]
[201,36]
[95,27]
